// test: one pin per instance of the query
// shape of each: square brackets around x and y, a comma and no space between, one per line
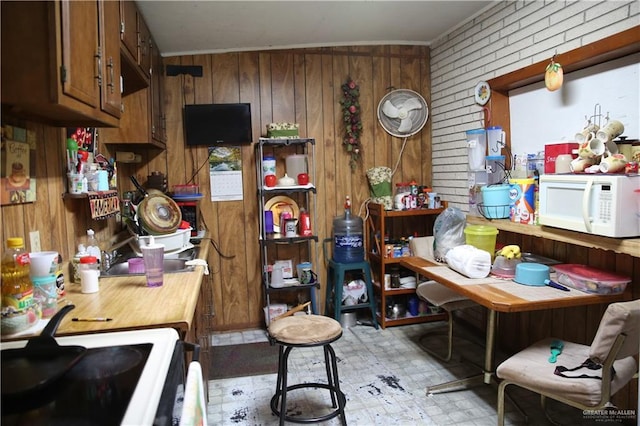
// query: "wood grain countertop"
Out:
[505,295]
[630,246]
[132,305]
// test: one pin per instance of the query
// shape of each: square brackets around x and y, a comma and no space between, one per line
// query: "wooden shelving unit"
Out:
[395,224]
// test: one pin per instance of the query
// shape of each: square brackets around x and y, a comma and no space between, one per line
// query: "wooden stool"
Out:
[335,281]
[306,331]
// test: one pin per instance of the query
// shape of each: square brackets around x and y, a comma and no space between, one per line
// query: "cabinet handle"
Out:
[98,57]
[111,83]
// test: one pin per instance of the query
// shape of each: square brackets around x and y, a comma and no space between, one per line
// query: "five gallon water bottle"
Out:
[348,237]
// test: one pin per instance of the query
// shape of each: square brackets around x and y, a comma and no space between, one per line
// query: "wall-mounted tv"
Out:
[217,124]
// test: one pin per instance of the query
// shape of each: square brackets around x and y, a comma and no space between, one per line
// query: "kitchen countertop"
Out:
[630,246]
[131,304]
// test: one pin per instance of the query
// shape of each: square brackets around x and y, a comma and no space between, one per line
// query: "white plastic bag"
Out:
[469,261]
[448,230]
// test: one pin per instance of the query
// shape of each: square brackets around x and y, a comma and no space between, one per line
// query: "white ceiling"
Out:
[190,27]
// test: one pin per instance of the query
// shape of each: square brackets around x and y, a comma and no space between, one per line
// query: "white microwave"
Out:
[598,204]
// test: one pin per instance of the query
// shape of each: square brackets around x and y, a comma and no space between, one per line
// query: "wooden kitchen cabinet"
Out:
[134,38]
[61,63]
[142,121]
[383,227]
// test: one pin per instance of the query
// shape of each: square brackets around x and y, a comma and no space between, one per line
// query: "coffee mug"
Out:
[307,277]
[611,148]
[579,164]
[587,133]
[563,163]
[591,149]
[610,131]
[614,163]
[290,227]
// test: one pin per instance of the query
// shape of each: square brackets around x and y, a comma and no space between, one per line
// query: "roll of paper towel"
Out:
[469,261]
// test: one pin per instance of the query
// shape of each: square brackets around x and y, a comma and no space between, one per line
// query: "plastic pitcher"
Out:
[477,144]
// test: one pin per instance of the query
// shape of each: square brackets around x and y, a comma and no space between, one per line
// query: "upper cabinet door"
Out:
[81,54]
[55,63]
[129,28]
[111,92]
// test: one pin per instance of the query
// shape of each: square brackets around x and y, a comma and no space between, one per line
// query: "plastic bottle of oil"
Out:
[18,308]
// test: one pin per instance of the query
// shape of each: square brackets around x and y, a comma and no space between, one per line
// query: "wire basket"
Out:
[494,212]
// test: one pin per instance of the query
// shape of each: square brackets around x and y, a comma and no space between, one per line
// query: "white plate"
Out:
[482,93]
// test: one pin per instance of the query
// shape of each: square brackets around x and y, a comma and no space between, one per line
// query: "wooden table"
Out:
[501,295]
[130,304]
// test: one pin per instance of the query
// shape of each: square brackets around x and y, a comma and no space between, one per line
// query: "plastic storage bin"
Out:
[591,280]
[482,237]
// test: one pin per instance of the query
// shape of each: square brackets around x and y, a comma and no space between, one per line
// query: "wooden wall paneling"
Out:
[341,71]
[425,134]
[361,71]
[54,237]
[314,118]
[266,107]
[230,214]
[381,150]
[413,158]
[329,145]
[396,82]
[249,92]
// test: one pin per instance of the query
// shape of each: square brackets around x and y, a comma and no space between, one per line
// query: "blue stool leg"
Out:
[371,295]
[338,282]
[328,293]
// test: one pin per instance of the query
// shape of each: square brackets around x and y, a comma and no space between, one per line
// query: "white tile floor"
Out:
[384,374]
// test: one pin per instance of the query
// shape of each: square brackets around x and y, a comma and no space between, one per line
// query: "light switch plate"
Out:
[34,239]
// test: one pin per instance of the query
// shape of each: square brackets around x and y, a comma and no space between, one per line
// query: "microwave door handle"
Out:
[585,204]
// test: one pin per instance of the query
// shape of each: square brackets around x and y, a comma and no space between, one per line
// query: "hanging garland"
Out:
[352,121]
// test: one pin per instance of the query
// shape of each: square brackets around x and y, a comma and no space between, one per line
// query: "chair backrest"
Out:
[619,318]
[422,247]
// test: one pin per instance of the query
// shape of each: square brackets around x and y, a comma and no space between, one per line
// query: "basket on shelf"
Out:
[494,212]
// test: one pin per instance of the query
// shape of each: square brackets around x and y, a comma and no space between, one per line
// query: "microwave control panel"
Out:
[605,200]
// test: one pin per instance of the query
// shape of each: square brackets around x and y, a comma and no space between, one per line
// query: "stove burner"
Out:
[96,390]
[106,362]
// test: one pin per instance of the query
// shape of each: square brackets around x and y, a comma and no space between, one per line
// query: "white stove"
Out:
[143,405]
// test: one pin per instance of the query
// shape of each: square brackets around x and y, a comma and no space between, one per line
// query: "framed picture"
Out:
[17,166]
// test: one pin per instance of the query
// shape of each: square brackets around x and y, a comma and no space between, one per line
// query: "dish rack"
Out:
[494,212]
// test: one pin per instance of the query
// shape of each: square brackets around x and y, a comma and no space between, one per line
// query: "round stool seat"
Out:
[305,329]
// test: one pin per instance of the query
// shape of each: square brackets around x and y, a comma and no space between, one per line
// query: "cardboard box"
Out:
[551,152]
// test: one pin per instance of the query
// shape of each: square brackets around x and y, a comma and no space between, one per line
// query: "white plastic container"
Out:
[477,144]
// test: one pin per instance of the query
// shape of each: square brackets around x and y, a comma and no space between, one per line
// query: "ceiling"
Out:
[192,27]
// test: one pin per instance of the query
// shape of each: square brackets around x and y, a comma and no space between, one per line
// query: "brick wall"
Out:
[503,38]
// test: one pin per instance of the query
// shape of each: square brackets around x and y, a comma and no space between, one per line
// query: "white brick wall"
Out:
[506,37]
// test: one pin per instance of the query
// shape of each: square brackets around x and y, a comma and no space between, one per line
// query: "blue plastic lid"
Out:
[476,131]
[495,157]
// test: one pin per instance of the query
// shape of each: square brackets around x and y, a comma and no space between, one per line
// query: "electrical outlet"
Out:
[34,238]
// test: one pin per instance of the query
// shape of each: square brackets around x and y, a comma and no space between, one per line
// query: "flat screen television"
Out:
[217,124]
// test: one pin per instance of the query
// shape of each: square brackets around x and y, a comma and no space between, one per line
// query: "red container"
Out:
[551,152]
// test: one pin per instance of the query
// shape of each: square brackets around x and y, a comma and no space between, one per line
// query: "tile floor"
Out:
[384,374]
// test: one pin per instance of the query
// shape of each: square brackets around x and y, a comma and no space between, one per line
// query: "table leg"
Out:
[487,375]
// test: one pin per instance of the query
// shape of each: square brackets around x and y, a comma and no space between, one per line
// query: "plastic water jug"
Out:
[348,237]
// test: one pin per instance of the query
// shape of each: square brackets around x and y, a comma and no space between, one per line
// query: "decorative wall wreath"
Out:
[352,121]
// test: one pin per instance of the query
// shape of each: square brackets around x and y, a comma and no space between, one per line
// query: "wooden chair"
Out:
[584,376]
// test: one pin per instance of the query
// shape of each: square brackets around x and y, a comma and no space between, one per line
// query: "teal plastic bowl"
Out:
[533,274]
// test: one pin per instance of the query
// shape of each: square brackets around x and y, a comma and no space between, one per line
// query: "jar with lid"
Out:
[89,273]
[19,311]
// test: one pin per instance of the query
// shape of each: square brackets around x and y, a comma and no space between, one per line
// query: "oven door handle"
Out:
[193,347]
[586,198]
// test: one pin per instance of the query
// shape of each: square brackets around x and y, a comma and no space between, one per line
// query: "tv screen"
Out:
[217,124]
